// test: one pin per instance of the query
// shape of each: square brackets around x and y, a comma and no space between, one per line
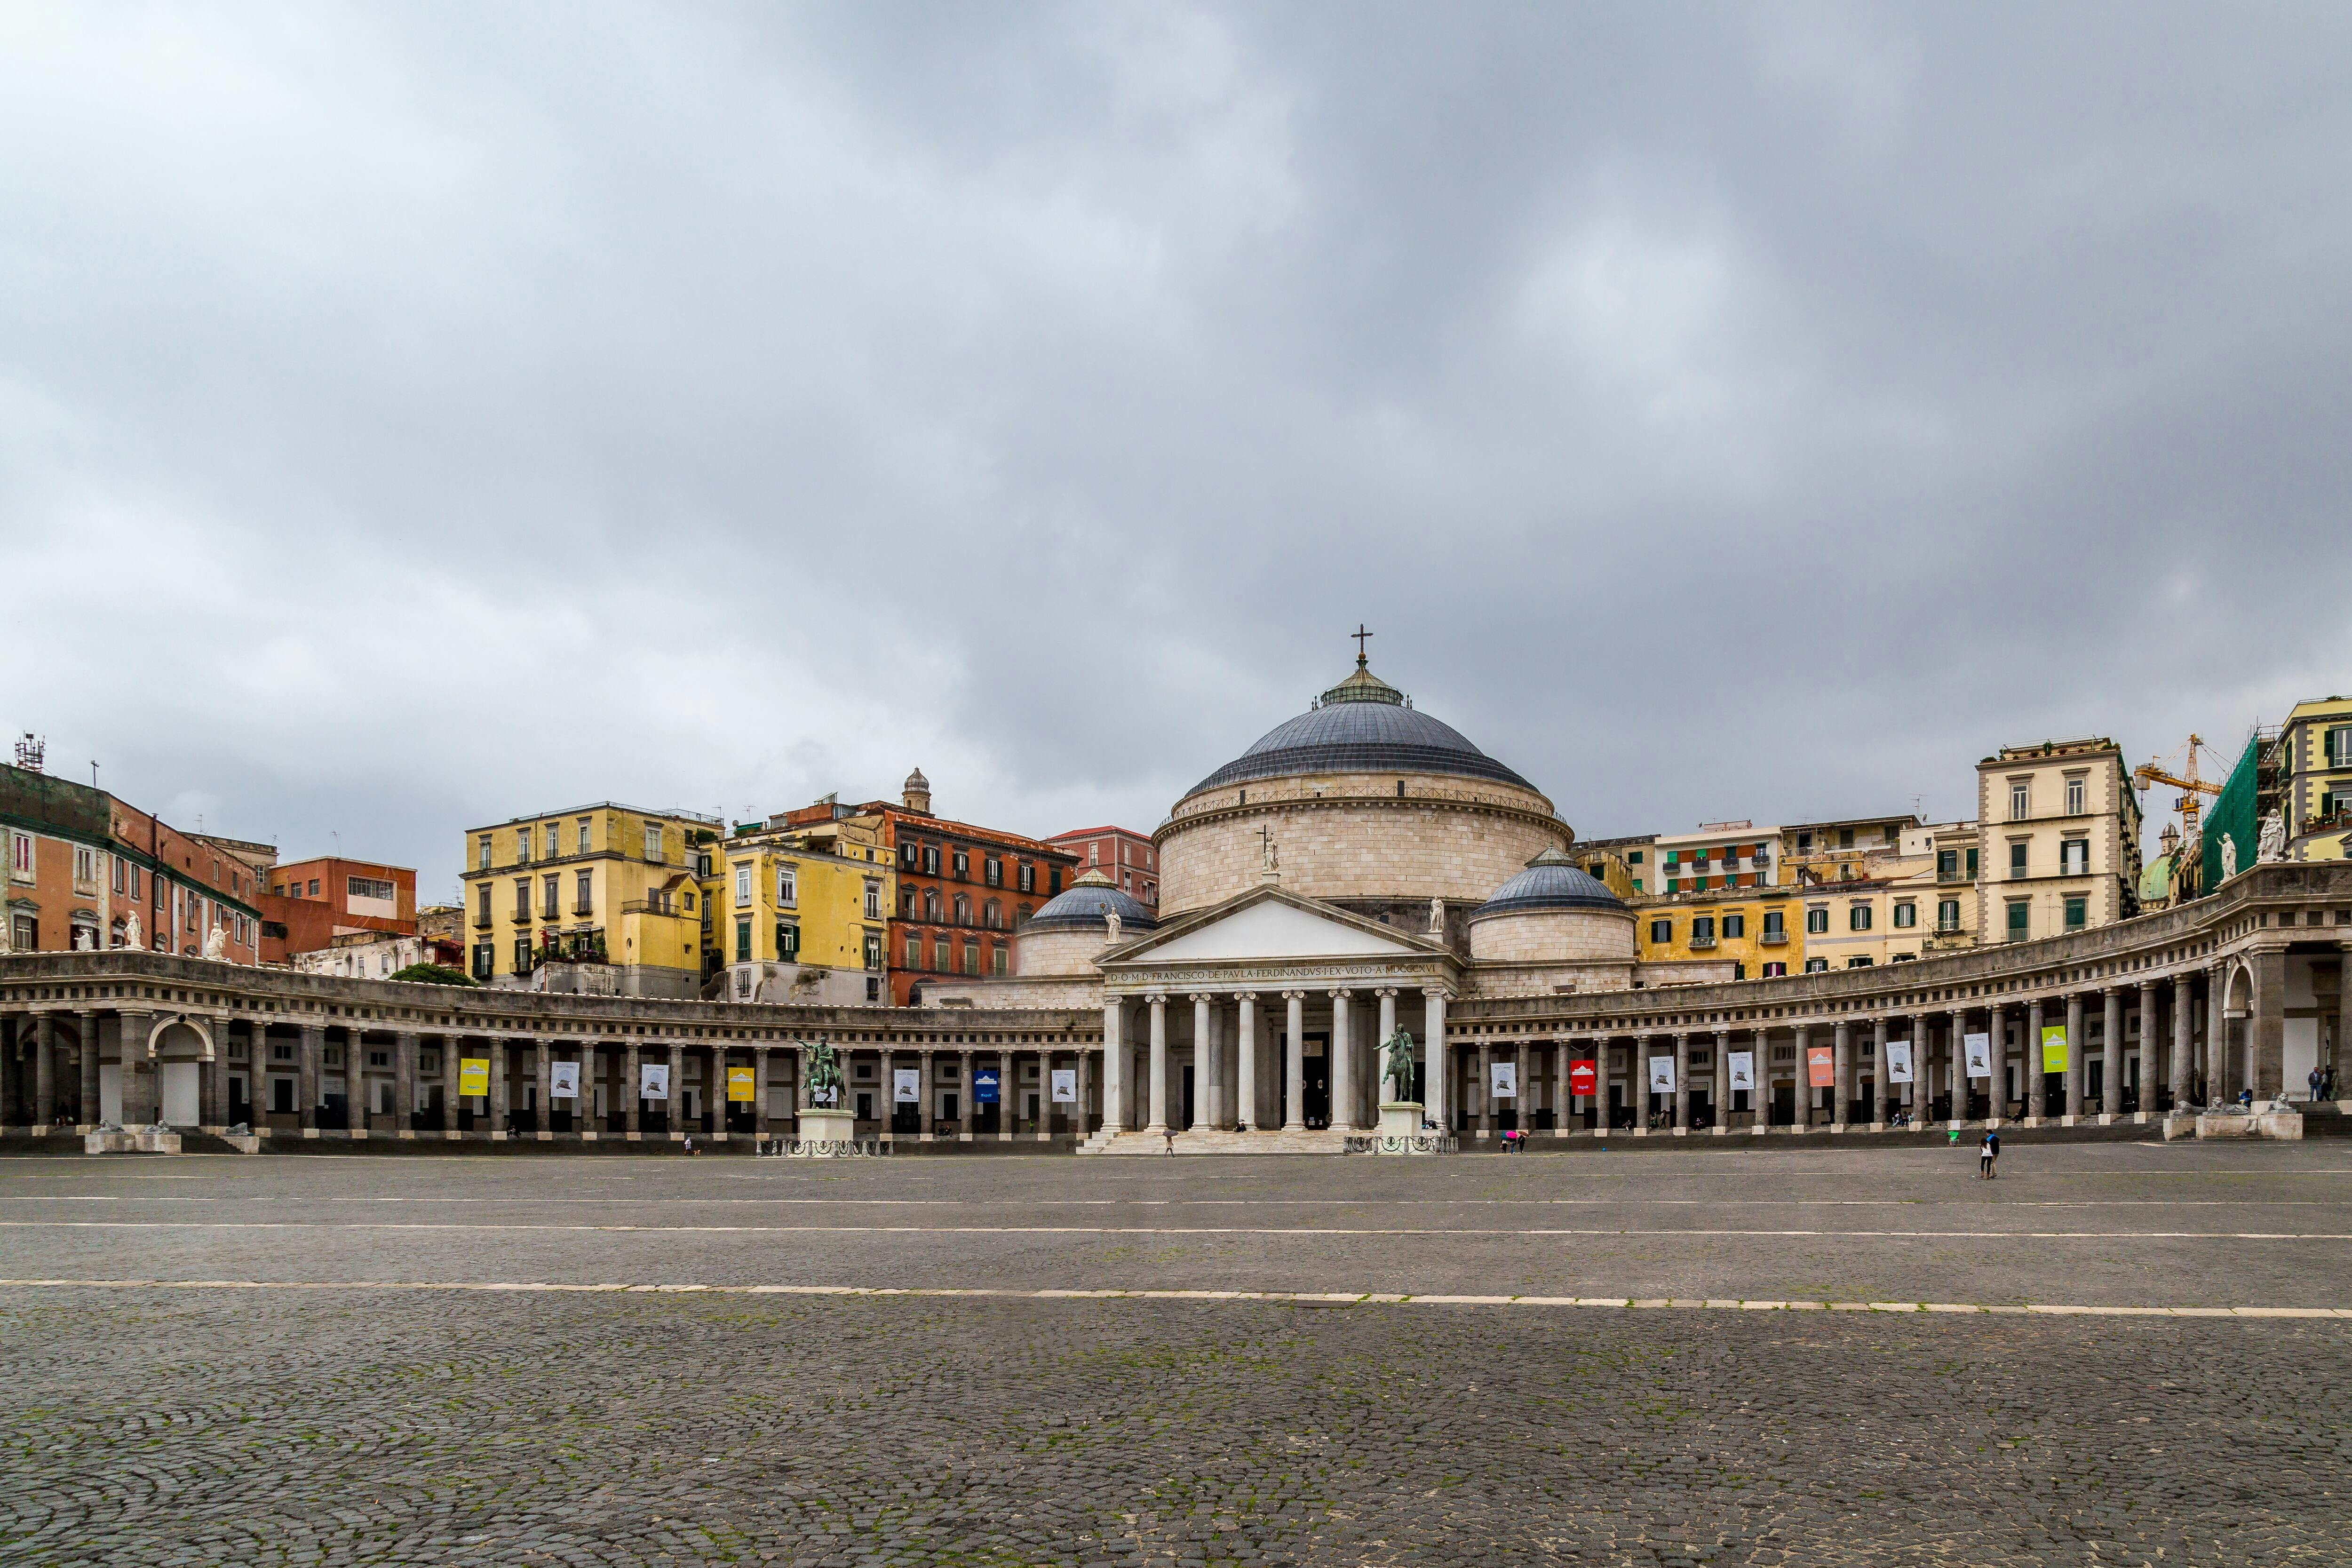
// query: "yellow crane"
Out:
[2160,770]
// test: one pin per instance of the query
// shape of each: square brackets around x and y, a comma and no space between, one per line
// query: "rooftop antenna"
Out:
[30,752]
[93,772]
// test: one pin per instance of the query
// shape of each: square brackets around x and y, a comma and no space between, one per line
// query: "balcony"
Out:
[1699,942]
[483,920]
[582,909]
[1774,939]
[569,947]
[664,905]
[2336,821]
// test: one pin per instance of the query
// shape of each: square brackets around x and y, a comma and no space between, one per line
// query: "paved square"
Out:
[382,1373]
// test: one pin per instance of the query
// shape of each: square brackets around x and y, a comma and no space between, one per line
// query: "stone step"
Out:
[1204,1140]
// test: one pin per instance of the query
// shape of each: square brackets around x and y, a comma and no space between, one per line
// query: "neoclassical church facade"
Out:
[1358,869]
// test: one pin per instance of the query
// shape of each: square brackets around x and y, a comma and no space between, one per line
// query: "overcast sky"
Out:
[416,417]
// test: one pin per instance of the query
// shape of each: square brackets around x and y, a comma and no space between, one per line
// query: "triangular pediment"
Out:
[1269,923]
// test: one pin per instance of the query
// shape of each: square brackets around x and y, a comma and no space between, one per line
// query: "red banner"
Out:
[1821,1065]
[1582,1079]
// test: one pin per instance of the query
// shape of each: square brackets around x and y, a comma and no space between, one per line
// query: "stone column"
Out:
[673,1108]
[140,1091]
[1344,1095]
[1807,1097]
[1843,1092]
[313,1054]
[1157,1002]
[969,1107]
[1294,1064]
[2037,1083]
[1008,1093]
[2151,1048]
[1084,1116]
[2184,1046]
[632,1082]
[2220,1081]
[1115,1086]
[1204,1105]
[1997,1085]
[2336,1051]
[452,1049]
[44,1109]
[1245,1062]
[1220,1086]
[761,1123]
[355,1105]
[86,1053]
[1956,1063]
[1723,1079]
[1433,1073]
[403,1082]
[502,1086]
[2266,1026]
[1880,1085]
[1682,1083]
[1919,1095]
[2111,1055]
[1485,1090]
[927,1097]
[543,1075]
[2078,1066]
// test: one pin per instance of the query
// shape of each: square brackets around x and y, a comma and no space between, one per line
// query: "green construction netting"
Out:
[2232,812]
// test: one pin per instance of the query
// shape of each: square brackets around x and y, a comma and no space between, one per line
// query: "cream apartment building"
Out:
[1881,890]
[2058,839]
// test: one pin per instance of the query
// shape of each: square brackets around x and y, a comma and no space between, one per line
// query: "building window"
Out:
[2340,747]
[993,871]
[1054,880]
[2074,797]
[554,842]
[962,910]
[1775,971]
[2017,858]
[653,842]
[547,896]
[522,898]
[742,941]
[2078,912]
[584,836]
[1634,857]
[962,866]
[1734,927]
[1774,925]
[482,959]
[997,958]
[522,846]
[1948,915]
[1947,864]
[930,859]
[314,887]
[1858,918]
[1028,878]
[1094,854]
[914,951]
[482,904]
[1662,933]
[873,901]
[2074,858]
[971,958]
[1906,915]
[940,956]
[483,859]
[992,916]
[376,887]
[743,885]
[788,887]
[930,903]
[1817,921]
[1702,928]
[2021,802]
[522,955]
[873,950]
[1816,966]
[583,894]
[2017,920]
[1674,884]
[788,940]
[85,865]
[1858,963]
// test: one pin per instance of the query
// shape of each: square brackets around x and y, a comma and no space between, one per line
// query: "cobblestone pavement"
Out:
[346,1424]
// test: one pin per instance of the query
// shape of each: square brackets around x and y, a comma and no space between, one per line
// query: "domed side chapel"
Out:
[1358,870]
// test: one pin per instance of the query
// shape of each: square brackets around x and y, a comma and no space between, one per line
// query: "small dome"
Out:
[1086,904]
[1361,725]
[1551,881]
[916,781]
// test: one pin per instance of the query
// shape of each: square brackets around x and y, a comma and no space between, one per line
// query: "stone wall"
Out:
[1542,935]
[1457,839]
[1051,992]
[1061,951]
[1555,979]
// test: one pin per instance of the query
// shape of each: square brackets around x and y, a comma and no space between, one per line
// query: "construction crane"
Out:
[2160,770]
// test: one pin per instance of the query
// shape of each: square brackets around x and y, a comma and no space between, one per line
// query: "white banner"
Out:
[1065,1086]
[652,1081]
[1506,1080]
[1898,1061]
[906,1085]
[1978,1050]
[563,1080]
[1743,1069]
[1661,1075]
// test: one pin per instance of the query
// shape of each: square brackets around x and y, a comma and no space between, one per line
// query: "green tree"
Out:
[434,974]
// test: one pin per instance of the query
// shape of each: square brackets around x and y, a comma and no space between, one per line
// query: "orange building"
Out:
[311,902]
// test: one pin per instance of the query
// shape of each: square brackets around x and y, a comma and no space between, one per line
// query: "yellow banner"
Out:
[473,1075]
[739,1084]
[2054,1048]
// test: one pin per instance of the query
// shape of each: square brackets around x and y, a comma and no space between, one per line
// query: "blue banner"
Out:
[983,1086]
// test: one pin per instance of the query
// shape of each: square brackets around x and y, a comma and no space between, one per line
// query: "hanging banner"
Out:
[1978,1050]
[1065,1086]
[1821,1065]
[652,1081]
[1743,1069]
[1583,1078]
[1661,1075]
[1505,1081]
[906,1086]
[740,1087]
[2054,1048]
[1898,1061]
[983,1086]
[563,1080]
[474,1075]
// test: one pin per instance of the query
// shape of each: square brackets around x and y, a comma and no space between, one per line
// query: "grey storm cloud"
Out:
[413,416]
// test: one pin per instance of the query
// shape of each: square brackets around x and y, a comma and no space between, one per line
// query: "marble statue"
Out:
[5,936]
[2271,846]
[1437,917]
[1110,927]
[85,939]
[130,931]
[2228,857]
[216,943]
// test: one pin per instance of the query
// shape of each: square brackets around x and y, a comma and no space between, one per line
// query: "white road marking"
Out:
[1173,1230]
[1340,1298]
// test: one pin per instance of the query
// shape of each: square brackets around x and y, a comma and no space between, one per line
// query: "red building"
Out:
[310,903]
[86,871]
[1123,855]
[964,890]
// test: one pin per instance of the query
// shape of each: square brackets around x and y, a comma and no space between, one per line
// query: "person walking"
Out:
[1987,1153]
[2315,1080]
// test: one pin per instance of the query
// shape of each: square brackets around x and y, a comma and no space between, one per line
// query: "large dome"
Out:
[1363,725]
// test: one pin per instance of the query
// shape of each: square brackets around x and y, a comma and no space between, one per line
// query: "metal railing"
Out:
[1774,938]
[660,906]
[1700,941]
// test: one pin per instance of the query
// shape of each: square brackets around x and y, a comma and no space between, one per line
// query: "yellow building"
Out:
[2314,777]
[800,914]
[604,898]
[1620,865]
[1754,928]
[1882,890]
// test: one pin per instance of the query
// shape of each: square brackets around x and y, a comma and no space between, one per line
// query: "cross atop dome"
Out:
[1361,635]
[1364,686]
